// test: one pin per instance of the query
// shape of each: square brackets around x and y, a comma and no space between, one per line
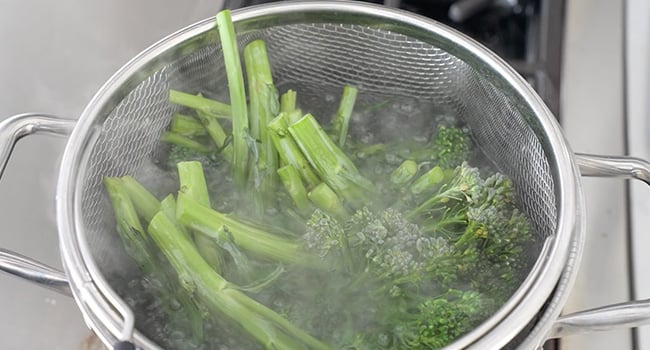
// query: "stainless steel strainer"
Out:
[316,47]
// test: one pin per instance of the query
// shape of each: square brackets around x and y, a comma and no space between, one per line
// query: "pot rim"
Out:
[109,315]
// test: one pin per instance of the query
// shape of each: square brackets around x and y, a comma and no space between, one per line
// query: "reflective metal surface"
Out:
[618,167]
[28,269]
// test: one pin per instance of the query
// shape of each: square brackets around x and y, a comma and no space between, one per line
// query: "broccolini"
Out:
[299,236]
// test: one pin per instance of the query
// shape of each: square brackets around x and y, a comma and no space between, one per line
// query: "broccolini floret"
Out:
[451,147]
[442,319]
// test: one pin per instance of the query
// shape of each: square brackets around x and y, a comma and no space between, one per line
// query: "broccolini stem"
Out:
[289,151]
[168,206]
[216,133]
[264,106]
[341,120]
[186,125]
[186,142]
[266,245]
[326,200]
[288,101]
[404,173]
[129,225]
[237,98]
[138,246]
[426,205]
[192,183]
[292,182]
[210,251]
[264,103]
[429,180]
[445,224]
[200,103]
[450,185]
[146,204]
[285,324]
[330,162]
[294,116]
[198,278]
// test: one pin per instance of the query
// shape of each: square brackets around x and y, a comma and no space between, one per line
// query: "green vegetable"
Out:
[217,134]
[192,183]
[292,182]
[200,103]
[442,319]
[451,147]
[341,120]
[186,125]
[210,222]
[288,235]
[325,199]
[288,101]
[264,106]
[289,151]
[448,148]
[198,278]
[404,173]
[141,250]
[237,98]
[330,163]
[186,142]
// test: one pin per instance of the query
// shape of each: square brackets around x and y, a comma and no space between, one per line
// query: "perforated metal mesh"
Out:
[318,59]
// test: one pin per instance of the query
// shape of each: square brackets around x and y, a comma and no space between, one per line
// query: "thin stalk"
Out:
[404,173]
[266,245]
[146,204]
[128,222]
[289,151]
[263,324]
[429,180]
[326,200]
[237,98]
[168,206]
[139,248]
[200,103]
[330,162]
[216,133]
[288,101]
[294,116]
[186,125]
[186,142]
[264,106]
[192,183]
[341,120]
[293,184]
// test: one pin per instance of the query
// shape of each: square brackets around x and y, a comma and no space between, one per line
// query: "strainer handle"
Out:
[613,166]
[13,129]
[623,315]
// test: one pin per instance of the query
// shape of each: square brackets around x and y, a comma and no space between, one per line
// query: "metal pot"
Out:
[380,49]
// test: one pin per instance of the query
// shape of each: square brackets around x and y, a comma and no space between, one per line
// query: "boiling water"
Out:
[376,120]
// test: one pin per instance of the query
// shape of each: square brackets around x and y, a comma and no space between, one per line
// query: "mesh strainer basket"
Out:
[315,48]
